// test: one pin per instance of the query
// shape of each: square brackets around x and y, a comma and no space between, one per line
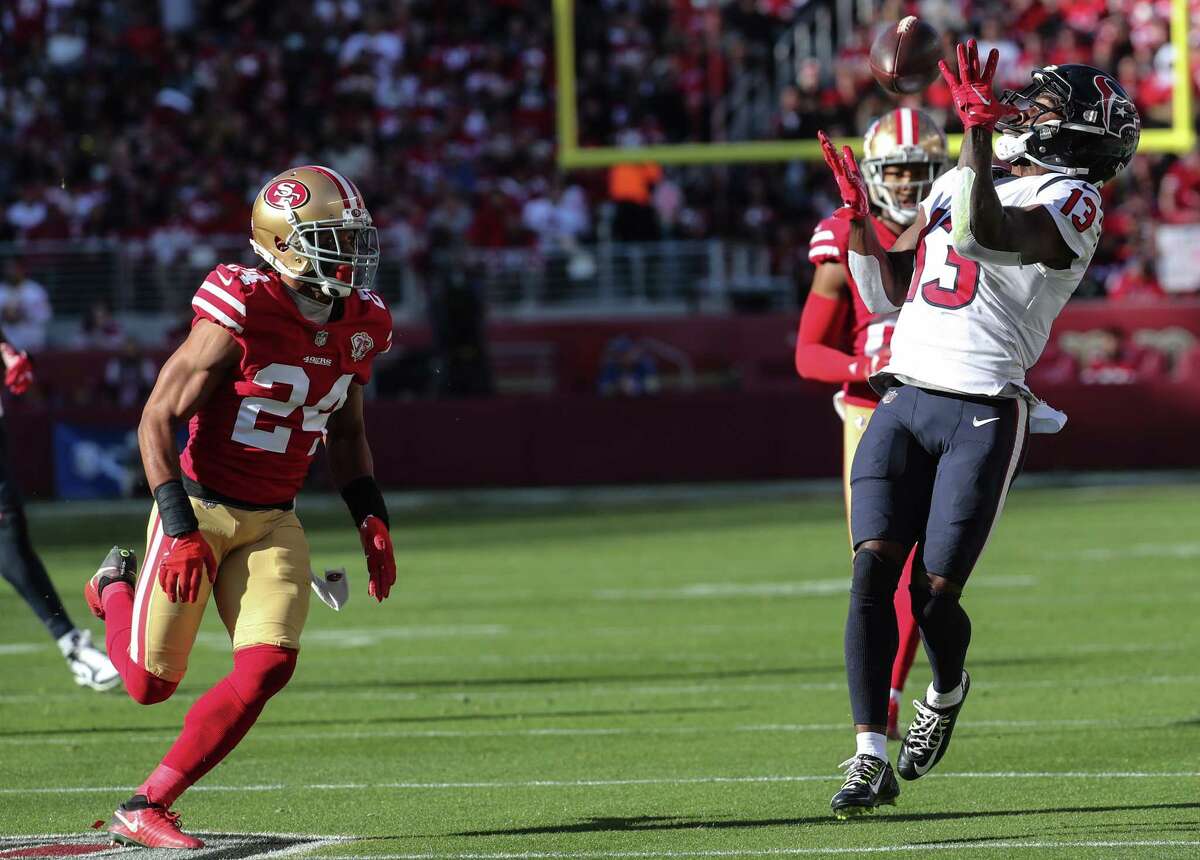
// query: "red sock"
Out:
[142,686]
[219,719]
[909,633]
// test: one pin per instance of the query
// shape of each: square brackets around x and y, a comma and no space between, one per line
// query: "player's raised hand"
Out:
[381,561]
[18,373]
[186,558]
[850,182]
[971,88]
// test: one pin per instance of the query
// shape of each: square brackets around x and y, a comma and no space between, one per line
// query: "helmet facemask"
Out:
[341,255]
[887,195]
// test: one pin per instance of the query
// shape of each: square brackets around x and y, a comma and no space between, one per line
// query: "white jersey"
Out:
[977,328]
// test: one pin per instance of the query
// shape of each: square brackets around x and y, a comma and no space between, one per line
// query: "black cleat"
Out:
[120,565]
[929,736]
[870,782]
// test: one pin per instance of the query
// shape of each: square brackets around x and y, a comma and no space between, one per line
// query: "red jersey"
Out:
[865,333]
[254,438]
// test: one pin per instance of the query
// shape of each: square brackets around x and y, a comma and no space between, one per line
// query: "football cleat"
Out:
[150,825]
[870,783]
[928,735]
[87,662]
[893,723]
[120,565]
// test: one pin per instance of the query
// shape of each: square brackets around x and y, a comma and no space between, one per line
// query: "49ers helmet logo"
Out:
[285,193]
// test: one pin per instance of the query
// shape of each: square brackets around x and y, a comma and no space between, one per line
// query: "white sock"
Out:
[66,642]
[872,743]
[943,700]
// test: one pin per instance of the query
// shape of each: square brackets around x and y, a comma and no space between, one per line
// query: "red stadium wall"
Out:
[751,420]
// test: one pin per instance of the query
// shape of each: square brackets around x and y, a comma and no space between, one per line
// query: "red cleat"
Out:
[150,825]
[120,565]
[893,726]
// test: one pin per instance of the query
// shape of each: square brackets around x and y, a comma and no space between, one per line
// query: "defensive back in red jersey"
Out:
[254,438]
[866,333]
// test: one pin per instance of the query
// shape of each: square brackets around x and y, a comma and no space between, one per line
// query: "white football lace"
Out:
[860,770]
[925,732]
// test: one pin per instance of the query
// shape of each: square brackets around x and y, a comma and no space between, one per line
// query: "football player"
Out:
[980,277]
[20,565]
[275,364]
[839,340]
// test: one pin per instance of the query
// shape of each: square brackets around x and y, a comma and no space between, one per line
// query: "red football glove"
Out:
[19,374]
[971,88]
[185,559]
[850,182]
[868,366]
[381,563]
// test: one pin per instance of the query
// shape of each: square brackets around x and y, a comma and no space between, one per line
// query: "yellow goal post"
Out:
[1179,138]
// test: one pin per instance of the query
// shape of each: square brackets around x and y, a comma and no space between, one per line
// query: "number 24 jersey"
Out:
[255,437]
[977,327]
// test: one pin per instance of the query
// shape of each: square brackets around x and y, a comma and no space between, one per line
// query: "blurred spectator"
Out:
[100,330]
[630,187]
[627,370]
[129,376]
[24,308]
[1135,282]
[1179,193]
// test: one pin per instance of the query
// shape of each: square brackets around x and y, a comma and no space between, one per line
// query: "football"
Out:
[904,57]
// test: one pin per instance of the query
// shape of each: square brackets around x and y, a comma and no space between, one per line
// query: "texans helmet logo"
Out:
[287,194]
[1115,109]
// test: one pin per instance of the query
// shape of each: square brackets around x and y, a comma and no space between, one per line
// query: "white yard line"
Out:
[593,783]
[789,588]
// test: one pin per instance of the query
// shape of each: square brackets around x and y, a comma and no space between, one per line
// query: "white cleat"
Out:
[88,663]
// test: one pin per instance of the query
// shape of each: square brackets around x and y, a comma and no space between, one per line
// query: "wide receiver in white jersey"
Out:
[979,278]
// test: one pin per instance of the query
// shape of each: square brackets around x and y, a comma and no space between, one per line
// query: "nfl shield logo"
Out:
[891,395]
[360,344]
[321,337]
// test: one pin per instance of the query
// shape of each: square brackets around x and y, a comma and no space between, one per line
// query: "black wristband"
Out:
[363,498]
[175,509]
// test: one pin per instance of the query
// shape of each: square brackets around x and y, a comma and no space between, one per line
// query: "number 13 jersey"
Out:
[255,437]
[974,327]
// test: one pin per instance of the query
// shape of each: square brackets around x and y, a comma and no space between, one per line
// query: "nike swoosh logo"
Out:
[982,97]
[921,771]
[977,423]
[877,783]
[133,827]
[224,280]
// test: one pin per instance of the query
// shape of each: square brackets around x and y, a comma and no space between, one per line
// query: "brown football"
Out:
[905,55]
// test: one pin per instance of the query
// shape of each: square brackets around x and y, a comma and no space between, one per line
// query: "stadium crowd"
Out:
[155,121]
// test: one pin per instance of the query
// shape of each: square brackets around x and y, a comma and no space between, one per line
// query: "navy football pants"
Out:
[933,469]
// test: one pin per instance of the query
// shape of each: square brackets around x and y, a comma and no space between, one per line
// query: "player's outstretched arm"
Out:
[353,471]
[880,275]
[185,382]
[983,229]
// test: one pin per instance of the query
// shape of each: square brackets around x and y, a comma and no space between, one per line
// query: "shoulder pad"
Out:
[828,243]
[222,296]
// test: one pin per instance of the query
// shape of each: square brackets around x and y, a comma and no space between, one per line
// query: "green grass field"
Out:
[658,680]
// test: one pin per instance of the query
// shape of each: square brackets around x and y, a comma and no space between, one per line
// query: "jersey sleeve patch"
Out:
[221,299]
[828,243]
[1075,207]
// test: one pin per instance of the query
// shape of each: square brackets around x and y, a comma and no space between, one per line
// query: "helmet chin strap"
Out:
[1010,147]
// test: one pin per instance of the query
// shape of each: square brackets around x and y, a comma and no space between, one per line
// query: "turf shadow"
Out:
[605,825]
